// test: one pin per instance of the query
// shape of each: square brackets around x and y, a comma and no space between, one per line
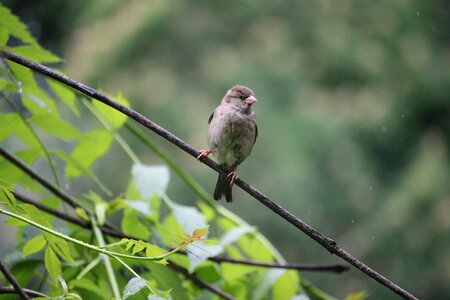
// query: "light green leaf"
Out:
[89,286]
[361,295]
[54,125]
[150,180]
[14,26]
[24,75]
[59,246]
[270,277]
[9,197]
[4,36]
[115,118]
[52,264]
[286,286]
[131,225]
[35,53]
[138,247]
[77,165]
[10,122]
[133,286]
[91,145]
[65,94]
[100,212]
[34,245]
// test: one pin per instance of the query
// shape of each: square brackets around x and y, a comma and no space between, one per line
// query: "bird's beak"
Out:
[250,100]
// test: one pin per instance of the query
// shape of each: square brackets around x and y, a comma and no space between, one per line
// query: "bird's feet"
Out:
[204,153]
[233,176]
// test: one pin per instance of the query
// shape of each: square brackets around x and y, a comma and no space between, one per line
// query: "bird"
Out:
[232,132]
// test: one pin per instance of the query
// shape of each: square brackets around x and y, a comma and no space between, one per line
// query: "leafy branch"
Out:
[320,238]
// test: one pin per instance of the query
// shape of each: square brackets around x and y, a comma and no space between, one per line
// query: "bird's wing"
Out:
[256,132]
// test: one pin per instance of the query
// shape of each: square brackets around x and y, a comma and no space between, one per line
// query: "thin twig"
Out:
[10,277]
[199,282]
[32,293]
[320,238]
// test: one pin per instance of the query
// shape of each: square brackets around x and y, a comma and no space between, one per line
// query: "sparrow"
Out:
[232,132]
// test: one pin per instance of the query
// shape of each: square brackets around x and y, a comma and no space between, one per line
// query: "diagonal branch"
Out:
[320,238]
[10,277]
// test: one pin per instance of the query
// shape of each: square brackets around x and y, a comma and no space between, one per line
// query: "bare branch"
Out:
[320,238]
[10,277]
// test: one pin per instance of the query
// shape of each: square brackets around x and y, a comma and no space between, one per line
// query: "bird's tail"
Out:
[223,188]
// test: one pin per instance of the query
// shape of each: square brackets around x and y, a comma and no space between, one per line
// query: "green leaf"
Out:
[150,180]
[81,213]
[34,245]
[91,145]
[270,277]
[169,279]
[59,246]
[89,286]
[138,247]
[14,26]
[100,212]
[65,94]
[361,295]
[11,121]
[35,53]
[54,125]
[9,197]
[286,286]
[52,264]
[4,36]
[86,171]
[24,75]
[133,286]
[131,225]
[37,101]
[115,118]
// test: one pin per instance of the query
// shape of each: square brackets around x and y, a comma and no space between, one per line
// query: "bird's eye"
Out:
[241,96]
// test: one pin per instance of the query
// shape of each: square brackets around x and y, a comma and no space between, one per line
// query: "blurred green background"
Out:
[353,114]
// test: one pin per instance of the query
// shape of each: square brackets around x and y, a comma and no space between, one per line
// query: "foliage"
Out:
[40,124]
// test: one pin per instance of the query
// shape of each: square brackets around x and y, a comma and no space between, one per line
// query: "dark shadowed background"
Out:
[353,114]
